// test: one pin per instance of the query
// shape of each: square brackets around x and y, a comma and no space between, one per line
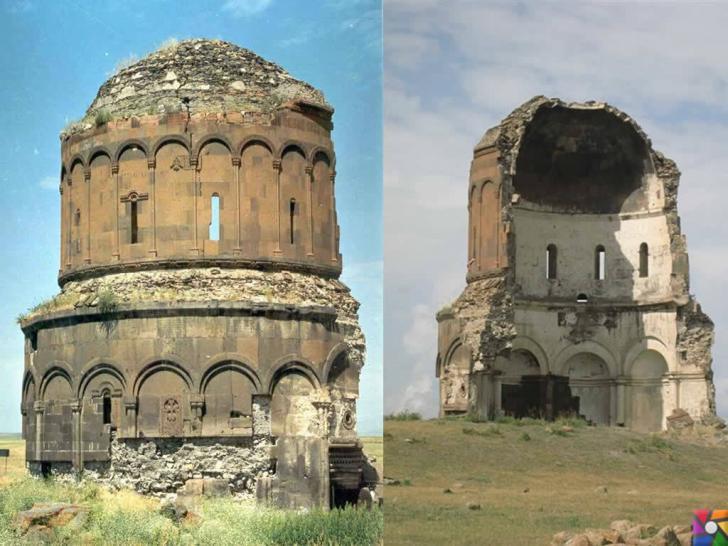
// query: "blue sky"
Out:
[54,57]
[454,69]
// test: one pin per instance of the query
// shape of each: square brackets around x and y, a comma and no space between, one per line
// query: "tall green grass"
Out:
[224,521]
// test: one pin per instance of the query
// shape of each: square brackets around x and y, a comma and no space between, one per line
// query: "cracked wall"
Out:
[613,313]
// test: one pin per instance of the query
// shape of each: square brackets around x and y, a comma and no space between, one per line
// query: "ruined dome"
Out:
[213,75]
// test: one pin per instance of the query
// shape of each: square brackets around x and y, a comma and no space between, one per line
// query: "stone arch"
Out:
[343,375]
[216,180]
[101,383]
[258,197]
[512,366]
[231,360]
[171,363]
[585,347]
[167,139]
[292,411]
[291,145]
[646,405]
[294,210]
[77,211]
[27,406]
[78,158]
[292,363]
[97,151]
[489,204]
[29,385]
[255,139]
[459,354]
[455,376]
[322,203]
[529,344]
[163,393]
[589,380]
[334,353]
[58,403]
[648,343]
[96,367]
[318,151]
[520,362]
[473,216]
[228,387]
[55,370]
[133,204]
[174,183]
[208,139]
[101,213]
[130,143]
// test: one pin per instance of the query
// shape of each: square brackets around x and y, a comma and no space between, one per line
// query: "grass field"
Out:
[16,461]
[126,518]
[532,480]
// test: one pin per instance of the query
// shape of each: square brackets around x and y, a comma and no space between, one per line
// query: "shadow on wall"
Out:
[583,188]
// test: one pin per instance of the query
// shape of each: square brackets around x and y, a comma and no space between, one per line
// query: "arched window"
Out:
[600,263]
[106,399]
[644,260]
[292,210]
[77,217]
[551,261]
[213,232]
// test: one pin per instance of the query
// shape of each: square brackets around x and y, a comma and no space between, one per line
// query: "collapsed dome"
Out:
[581,160]
[204,75]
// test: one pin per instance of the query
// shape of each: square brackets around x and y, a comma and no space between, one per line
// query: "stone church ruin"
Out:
[577,298]
[201,330]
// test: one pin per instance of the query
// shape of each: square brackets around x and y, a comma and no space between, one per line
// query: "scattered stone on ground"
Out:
[627,533]
[39,521]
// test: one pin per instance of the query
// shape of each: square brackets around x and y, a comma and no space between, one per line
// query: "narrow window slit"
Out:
[600,263]
[107,408]
[292,210]
[134,222]
[551,261]
[644,260]
[213,233]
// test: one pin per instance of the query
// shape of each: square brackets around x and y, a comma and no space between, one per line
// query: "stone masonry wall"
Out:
[160,466]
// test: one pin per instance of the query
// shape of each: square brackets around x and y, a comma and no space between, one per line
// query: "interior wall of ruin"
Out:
[576,238]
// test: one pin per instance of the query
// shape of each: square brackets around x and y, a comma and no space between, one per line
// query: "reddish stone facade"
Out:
[200,304]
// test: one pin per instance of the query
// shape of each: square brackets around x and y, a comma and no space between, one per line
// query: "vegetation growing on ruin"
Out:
[533,479]
[47,305]
[107,301]
[102,117]
[124,517]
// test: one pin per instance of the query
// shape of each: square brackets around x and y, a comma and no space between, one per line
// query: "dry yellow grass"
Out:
[532,483]
[374,447]
[16,461]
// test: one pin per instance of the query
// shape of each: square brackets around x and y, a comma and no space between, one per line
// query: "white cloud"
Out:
[420,343]
[49,183]
[246,8]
